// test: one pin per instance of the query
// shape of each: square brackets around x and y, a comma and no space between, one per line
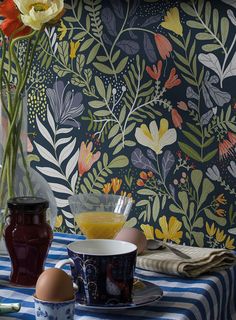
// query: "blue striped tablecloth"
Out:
[210,297]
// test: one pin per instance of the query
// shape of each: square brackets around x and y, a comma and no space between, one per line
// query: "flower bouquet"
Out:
[22,23]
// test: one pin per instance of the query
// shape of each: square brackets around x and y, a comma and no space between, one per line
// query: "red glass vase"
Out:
[28,238]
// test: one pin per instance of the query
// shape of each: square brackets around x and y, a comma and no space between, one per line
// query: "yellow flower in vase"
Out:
[23,23]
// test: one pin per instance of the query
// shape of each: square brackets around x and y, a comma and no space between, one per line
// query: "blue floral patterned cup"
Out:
[102,270]
[46,310]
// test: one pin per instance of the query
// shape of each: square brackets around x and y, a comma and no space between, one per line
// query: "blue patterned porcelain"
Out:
[45,310]
[102,270]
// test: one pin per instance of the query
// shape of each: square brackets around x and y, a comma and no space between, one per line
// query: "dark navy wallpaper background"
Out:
[138,98]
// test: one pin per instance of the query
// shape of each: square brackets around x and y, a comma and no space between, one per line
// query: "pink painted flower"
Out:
[163,45]
[232,137]
[173,80]
[87,158]
[155,71]
[176,118]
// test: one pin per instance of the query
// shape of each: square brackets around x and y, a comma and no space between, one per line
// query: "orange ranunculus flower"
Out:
[221,199]
[176,118]
[155,71]
[116,184]
[107,187]
[12,21]
[173,80]
[86,157]
[163,45]
[225,149]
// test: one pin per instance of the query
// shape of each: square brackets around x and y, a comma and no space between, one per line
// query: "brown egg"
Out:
[54,285]
[134,236]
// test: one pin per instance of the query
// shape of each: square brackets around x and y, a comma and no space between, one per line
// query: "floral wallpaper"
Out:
[138,98]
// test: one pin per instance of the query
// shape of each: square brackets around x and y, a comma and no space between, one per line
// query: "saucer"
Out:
[144,292]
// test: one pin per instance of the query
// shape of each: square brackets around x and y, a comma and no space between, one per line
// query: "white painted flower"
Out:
[35,13]
[154,138]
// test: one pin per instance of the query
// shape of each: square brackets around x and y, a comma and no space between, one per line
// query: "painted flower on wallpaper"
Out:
[225,149]
[169,230]
[155,71]
[154,138]
[36,13]
[232,168]
[87,157]
[213,173]
[116,184]
[148,230]
[66,105]
[172,21]
[173,80]
[74,46]
[176,118]
[163,45]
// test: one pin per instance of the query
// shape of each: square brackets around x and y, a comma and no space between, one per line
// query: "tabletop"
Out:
[209,297]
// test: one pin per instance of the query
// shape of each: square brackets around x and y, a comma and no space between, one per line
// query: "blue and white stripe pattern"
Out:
[209,297]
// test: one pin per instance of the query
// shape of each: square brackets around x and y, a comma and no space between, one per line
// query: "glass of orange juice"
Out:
[100,216]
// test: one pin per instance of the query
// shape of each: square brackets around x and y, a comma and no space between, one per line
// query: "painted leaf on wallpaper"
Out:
[101,77]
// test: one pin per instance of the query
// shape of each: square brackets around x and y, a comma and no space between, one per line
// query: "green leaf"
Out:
[194,24]
[130,128]
[156,208]
[119,162]
[194,129]
[199,238]
[199,223]
[103,68]
[115,56]
[113,131]
[183,197]
[181,58]
[147,192]
[196,178]
[93,53]
[210,155]
[183,69]
[192,138]
[102,113]
[118,148]
[215,20]
[63,51]
[231,126]
[186,223]
[211,47]
[191,210]
[59,71]
[177,41]
[224,26]
[204,36]
[187,9]
[96,104]
[190,151]
[86,44]
[102,58]
[207,188]
[209,142]
[115,140]
[80,61]
[122,114]
[175,209]
[100,87]
[130,143]
[207,13]
[189,80]
[122,65]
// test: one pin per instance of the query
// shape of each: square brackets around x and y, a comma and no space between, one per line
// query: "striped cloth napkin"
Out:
[202,260]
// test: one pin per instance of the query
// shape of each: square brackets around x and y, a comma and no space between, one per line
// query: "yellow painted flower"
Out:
[210,230]
[221,199]
[169,231]
[62,29]
[106,187]
[154,138]
[73,48]
[220,236]
[172,21]
[36,13]
[148,231]
[58,221]
[229,243]
[116,184]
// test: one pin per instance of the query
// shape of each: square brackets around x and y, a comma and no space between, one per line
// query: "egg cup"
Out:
[54,310]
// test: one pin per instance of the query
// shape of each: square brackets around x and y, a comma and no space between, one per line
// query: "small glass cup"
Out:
[100,216]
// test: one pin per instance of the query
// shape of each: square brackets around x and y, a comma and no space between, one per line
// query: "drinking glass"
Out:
[100,216]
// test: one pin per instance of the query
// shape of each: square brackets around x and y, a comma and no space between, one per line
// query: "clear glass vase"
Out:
[17,177]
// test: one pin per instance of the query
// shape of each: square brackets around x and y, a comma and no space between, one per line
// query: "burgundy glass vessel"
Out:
[28,238]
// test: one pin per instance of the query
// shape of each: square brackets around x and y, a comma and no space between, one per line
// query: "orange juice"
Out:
[100,225]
